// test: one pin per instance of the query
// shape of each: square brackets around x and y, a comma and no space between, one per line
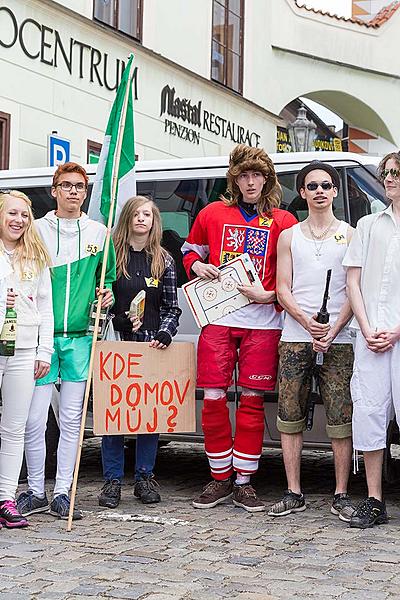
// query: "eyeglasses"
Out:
[395,173]
[326,185]
[67,186]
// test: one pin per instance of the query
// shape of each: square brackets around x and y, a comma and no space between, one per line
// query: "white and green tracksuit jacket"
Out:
[76,251]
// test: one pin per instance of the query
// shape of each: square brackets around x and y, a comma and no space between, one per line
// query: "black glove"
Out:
[163,337]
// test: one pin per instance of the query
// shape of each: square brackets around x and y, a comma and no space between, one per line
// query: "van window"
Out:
[179,202]
[366,194]
[43,201]
[295,204]
[188,195]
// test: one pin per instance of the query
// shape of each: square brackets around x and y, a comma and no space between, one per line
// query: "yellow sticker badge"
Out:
[27,276]
[92,249]
[227,256]
[340,238]
[265,221]
[151,282]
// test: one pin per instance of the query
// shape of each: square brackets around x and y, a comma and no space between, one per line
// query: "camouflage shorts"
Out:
[296,360]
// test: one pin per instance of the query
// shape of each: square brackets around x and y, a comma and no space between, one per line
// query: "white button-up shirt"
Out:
[375,247]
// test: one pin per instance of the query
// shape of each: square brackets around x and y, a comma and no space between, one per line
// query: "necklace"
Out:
[323,234]
[318,239]
[10,253]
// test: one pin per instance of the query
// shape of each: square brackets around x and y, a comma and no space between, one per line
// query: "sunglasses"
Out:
[326,185]
[395,173]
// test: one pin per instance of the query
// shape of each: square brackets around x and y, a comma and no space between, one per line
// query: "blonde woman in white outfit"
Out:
[29,280]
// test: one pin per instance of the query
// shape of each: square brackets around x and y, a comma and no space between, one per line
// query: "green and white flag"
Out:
[116,153]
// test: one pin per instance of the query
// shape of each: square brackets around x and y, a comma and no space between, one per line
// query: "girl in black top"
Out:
[142,264]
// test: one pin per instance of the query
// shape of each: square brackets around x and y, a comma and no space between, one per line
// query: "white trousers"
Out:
[70,413]
[17,384]
[375,391]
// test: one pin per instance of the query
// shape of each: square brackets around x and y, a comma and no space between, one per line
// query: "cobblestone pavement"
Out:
[172,551]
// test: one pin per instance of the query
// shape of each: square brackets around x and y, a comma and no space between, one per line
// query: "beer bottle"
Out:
[92,320]
[8,334]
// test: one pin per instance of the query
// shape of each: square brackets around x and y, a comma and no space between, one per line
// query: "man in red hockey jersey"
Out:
[249,221]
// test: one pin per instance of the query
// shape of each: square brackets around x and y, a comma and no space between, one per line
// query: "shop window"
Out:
[93,152]
[5,122]
[124,15]
[227,43]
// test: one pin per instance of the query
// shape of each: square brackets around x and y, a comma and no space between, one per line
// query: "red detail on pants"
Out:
[217,354]
[248,441]
[249,434]
[217,437]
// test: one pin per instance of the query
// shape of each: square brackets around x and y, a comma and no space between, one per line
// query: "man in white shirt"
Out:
[373,281]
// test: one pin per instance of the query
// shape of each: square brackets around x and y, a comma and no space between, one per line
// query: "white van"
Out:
[182,187]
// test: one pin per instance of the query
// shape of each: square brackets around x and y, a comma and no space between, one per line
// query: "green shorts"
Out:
[70,360]
[296,361]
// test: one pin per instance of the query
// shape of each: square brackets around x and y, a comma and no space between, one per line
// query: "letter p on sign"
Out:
[59,150]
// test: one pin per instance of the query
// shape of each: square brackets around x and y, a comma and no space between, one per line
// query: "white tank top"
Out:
[309,278]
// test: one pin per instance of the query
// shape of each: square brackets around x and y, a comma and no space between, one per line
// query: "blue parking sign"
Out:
[59,150]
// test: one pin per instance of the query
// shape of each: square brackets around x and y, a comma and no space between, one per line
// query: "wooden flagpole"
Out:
[117,157]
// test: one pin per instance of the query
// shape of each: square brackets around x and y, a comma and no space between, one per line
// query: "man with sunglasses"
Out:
[373,280]
[305,253]
[75,244]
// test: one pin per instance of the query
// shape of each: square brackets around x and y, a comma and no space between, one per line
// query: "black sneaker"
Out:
[10,515]
[146,489]
[110,495]
[368,513]
[60,508]
[343,507]
[28,503]
[290,503]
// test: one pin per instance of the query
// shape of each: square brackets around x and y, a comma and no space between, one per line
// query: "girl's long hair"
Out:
[30,251]
[153,247]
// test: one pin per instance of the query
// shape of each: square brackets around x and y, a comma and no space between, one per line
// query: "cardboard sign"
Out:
[138,389]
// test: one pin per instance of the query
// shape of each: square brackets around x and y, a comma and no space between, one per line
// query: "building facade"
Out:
[208,74]
[62,66]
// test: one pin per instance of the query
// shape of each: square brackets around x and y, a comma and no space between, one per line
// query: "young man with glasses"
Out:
[305,253]
[373,280]
[75,244]
[248,221]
